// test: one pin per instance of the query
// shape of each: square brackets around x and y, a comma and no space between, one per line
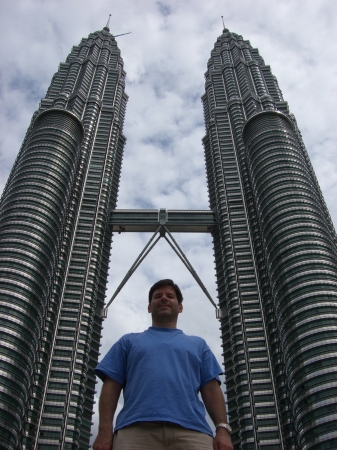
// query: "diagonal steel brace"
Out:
[162,230]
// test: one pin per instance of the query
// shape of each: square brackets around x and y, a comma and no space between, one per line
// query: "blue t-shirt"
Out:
[161,371]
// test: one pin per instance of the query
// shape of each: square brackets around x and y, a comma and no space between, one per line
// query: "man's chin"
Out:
[164,314]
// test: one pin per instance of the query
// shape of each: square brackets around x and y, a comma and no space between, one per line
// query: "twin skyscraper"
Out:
[274,242]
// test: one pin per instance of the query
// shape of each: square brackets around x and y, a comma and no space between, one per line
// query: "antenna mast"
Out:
[123,34]
[108,22]
[106,28]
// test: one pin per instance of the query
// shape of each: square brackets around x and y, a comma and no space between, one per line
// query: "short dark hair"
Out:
[163,283]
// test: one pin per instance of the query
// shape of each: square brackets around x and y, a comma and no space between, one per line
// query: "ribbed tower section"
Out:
[276,259]
[54,251]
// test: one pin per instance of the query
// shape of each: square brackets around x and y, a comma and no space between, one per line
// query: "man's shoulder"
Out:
[131,337]
[125,342]
[194,341]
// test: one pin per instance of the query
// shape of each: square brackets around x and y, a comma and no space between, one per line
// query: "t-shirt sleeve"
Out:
[114,362]
[210,368]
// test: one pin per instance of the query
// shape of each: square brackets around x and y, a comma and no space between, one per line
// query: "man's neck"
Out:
[164,324]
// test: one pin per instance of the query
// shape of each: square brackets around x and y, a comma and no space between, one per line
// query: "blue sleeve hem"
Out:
[102,375]
[216,377]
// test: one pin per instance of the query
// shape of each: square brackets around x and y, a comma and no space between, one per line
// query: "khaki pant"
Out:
[160,436]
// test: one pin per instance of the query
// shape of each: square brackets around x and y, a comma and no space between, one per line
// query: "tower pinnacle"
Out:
[78,202]
[106,28]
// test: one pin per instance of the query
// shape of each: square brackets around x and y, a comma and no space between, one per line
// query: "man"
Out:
[161,372]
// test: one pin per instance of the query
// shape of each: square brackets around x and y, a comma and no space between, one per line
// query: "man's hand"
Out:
[222,440]
[104,439]
[216,408]
[108,400]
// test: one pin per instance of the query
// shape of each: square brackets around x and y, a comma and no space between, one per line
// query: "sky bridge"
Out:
[162,222]
[175,221]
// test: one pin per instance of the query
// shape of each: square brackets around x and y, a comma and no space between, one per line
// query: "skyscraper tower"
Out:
[276,259]
[54,250]
[275,251]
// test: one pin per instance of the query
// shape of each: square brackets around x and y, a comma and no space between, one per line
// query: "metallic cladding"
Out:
[54,250]
[276,259]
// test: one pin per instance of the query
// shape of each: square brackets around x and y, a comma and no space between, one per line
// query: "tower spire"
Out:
[276,239]
[106,28]
[223,22]
[58,220]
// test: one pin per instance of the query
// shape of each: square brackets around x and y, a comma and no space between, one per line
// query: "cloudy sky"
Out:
[165,58]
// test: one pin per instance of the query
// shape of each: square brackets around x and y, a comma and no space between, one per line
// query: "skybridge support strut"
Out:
[162,221]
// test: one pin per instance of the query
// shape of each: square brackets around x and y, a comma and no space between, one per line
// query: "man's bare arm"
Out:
[107,406]
[215,404]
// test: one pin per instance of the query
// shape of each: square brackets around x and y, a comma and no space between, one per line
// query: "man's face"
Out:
[164,304]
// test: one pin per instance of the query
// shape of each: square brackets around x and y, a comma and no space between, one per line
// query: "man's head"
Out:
[165,304]
[164,283]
